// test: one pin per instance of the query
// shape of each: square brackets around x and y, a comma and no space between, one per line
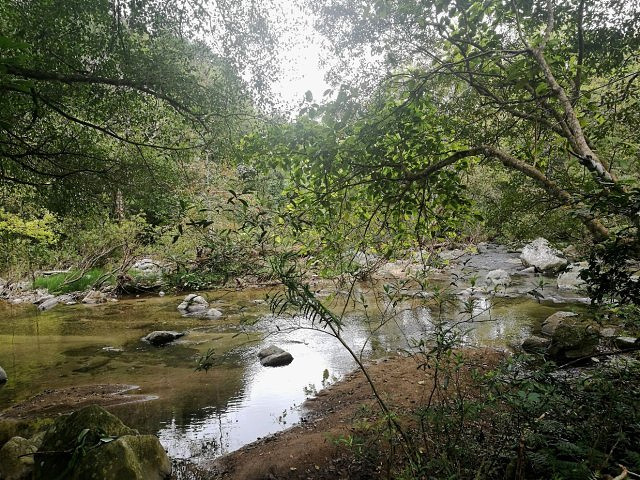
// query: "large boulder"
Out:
[130,457]
[197,306]
[3,377]
[539,254]
[273,356]
[162,337]
[572,342]
[16,459]
[552,322]
[570,278]
[108,450]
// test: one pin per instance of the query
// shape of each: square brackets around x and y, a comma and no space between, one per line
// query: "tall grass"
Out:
[71,281]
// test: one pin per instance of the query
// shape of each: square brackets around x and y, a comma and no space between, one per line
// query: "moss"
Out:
[139,457]
[67,435]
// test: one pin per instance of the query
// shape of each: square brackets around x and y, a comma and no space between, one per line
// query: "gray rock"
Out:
[197,306]
[16,459]
[214,313]
[162,337]
[268,351]
[498,278]
[608,332]
[94,297]
[273,356]
[552,322]
[526,271]
[147,265]
[570,278]
[539,254]
[3,378]
[43,298]
[48,304]
[534,344]
[624,343]
[277,360]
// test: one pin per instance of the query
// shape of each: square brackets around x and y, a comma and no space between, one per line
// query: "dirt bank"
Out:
[310,450]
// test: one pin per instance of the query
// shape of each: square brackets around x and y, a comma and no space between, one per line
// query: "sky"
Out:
[301,59]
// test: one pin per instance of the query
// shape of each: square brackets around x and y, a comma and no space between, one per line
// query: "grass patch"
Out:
[71,281]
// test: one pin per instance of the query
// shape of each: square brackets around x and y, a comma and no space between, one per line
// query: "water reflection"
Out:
[200,415]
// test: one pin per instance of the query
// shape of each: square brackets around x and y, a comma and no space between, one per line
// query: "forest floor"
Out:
[318,447]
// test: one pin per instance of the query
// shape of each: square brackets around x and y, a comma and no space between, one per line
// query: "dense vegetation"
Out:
[133,129]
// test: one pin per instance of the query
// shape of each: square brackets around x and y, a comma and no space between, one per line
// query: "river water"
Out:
[199,415]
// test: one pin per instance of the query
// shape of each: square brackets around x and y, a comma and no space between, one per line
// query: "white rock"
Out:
[498,278]
[539,254]
[570,278]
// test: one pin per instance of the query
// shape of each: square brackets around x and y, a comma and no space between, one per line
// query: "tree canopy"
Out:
[103,94]
[548,89]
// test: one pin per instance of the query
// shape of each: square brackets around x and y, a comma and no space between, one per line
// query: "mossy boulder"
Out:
[94,442]
[131,457]
[571,342]
[16,459]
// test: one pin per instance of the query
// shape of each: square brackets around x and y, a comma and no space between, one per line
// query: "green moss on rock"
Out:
[94,444]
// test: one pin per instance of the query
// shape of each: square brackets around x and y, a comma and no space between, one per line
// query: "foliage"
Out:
[545,89]
[205,361]
[72,281]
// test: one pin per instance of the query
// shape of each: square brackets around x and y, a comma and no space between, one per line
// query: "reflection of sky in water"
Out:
[271,396]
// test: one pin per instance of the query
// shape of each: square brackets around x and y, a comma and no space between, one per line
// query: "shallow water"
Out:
[200,415]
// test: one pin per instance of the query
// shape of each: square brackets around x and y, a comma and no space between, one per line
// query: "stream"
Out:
[201,415]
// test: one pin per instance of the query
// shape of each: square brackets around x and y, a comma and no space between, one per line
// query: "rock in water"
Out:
[273,356]
[197,306]
[570,278]
[552,322]
[94,297]
[570,342]
[162,337]
[16,459]
[539,254]
[3,377]
[112,451]
[498,278]
[48,304]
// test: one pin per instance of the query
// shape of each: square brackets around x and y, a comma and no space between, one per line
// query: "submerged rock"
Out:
[539,254]
[118,452]
[162,337]
[16,459]
[273,356]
